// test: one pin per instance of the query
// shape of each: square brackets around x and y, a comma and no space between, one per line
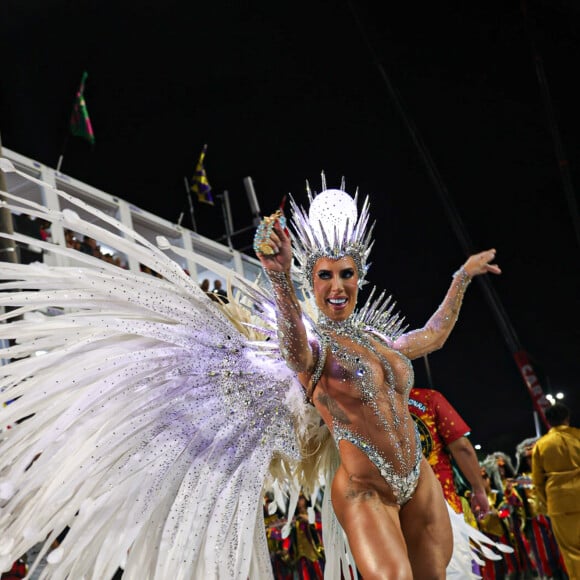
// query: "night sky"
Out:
[460,121]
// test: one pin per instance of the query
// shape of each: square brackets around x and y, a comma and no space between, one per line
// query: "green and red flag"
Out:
[200,185]
[80,123]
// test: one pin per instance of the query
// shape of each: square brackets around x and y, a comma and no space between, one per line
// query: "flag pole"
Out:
[253,200]
[190,202]
[61,156]
[227,215]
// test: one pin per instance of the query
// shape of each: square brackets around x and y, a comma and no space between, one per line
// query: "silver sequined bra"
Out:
[402,486]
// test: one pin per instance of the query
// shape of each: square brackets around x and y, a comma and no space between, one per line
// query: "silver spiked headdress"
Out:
[332,228]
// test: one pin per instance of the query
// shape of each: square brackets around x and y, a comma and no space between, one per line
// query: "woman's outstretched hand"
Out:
[481,264]
[272,245]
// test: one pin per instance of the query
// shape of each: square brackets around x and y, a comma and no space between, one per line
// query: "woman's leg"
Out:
[373,531]
[426,527]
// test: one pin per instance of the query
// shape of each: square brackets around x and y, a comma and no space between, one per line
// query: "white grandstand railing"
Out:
[145,223]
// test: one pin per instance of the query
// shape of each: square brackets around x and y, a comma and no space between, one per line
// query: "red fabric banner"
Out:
[533,383]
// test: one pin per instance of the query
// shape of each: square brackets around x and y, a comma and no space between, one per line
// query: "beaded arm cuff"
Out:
[280,281]
[463,276]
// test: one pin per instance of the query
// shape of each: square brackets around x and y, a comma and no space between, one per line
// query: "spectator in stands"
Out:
[219,291]
[119,262]
[44,229]
[69,239]
[89,246]
[205,287]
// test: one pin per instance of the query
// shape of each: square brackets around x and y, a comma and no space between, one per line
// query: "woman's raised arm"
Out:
[433,335]
[274,250]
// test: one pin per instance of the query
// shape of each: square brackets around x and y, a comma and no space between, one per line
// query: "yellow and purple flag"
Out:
[200,185]
[80,123]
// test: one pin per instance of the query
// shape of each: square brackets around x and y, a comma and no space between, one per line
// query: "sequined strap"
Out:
[322,353]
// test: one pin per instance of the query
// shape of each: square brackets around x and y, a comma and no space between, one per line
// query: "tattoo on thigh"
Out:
[360,494]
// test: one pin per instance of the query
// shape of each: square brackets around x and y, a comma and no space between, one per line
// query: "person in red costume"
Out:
[443,438]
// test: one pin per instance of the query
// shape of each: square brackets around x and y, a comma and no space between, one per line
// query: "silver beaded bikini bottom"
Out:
[403,486]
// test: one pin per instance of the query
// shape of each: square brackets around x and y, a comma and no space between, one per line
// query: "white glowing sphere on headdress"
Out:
[332,208]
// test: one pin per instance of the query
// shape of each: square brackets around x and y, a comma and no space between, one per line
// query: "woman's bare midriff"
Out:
[369,419]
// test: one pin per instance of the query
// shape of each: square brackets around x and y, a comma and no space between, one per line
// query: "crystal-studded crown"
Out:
[332,228]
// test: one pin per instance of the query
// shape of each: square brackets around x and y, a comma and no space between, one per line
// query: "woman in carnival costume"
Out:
[147,420]
[355,369]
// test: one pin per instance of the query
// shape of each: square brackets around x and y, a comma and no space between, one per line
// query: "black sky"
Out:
[281,91]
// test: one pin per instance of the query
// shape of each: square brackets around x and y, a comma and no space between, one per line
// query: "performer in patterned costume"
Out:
[278,544]
[306,547]
[444,438]
[506,521]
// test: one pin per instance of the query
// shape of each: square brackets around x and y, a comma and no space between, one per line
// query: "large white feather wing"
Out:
[137,415]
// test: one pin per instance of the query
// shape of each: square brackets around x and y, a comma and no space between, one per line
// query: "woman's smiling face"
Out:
[335,285]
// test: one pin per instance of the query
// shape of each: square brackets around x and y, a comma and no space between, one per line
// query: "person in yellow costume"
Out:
[537,526]
[556,477]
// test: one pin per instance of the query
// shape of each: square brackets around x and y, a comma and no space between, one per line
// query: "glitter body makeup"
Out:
[379,379]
